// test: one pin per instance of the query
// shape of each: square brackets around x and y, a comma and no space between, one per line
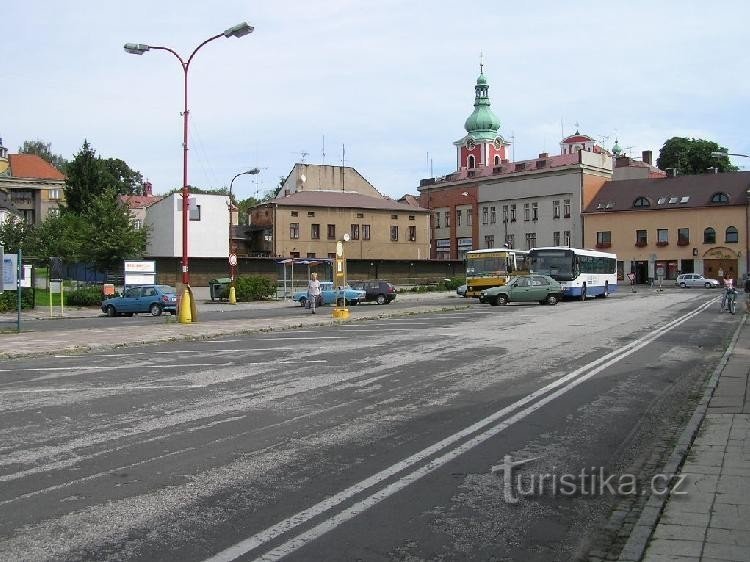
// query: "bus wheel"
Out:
[583,292]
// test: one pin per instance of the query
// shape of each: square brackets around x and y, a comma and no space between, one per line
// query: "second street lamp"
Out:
[188,311]
[233,255]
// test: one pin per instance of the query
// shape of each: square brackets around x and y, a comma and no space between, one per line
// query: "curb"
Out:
[635,547]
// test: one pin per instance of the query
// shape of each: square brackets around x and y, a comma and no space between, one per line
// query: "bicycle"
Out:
[729,301]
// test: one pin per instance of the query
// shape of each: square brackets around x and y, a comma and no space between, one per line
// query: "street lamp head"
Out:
[136,48]
[253,171]
[718,154]
[239,30]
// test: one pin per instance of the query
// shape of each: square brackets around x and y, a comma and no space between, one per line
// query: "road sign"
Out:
[232,259]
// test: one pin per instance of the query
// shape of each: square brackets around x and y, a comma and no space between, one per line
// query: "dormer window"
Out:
[720,197]
[641,202]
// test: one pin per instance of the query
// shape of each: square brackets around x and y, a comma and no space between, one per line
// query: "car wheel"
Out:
[302,302]
[155,309]
[380,299]
[110,311]
[683,285]
[583,292]
[502,299]
[552,300]
[707,285]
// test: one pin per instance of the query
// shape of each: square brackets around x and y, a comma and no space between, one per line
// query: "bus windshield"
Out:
[486,266]
[558,264]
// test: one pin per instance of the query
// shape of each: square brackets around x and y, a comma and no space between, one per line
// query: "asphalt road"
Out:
[373,440]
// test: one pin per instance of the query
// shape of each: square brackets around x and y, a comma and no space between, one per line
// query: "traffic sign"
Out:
[232,259]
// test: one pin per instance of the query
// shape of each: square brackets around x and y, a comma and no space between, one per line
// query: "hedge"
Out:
[254,288]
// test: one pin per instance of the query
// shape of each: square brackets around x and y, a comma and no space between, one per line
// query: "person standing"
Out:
[313,291]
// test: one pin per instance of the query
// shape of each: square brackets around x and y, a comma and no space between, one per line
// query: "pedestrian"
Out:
[747,291]
[313,291]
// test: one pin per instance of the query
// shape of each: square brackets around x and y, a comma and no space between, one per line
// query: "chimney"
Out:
[647,157]
[147,189]
[543,155]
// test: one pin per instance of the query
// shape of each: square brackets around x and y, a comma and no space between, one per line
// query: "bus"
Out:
[492,267]
[582,273]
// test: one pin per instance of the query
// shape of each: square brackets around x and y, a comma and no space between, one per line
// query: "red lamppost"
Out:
[187,307]
[232,256]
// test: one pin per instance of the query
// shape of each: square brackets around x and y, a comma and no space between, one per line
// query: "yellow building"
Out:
[661,227]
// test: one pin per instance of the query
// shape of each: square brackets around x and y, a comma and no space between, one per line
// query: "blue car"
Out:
[153,299]
[330,293]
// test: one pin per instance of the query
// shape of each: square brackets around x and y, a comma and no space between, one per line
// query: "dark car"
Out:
[153,299]
[377,290]
[524,288]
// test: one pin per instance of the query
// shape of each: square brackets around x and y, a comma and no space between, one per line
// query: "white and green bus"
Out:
[582,273]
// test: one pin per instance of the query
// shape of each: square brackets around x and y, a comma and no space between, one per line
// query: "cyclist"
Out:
[728,289]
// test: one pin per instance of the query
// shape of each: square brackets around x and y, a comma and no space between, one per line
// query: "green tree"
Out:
[44,151]
[126,181]
[243,209]
[85,179]
[15,233]
[693,156]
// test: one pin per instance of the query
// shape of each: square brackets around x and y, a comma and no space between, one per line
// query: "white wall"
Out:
[207,237]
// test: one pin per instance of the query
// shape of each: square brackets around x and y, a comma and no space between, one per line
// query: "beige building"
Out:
[666,226]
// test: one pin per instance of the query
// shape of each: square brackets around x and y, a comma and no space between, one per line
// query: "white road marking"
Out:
[305,338]
[570,381]
[99,388]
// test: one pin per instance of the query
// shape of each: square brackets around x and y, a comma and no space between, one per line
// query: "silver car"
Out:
[695,280]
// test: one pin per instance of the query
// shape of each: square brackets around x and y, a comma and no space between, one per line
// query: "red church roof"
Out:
[577,138]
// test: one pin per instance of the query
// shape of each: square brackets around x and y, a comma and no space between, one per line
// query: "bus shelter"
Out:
[296,272]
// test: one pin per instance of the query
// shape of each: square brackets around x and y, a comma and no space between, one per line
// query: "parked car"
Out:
[461,290]
[330,293]
[153,299]
[377,290]
[695,280]
[524,288]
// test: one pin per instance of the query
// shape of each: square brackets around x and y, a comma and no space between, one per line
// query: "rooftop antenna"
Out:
[512,146]
[323,152]
[562,129]
[302,155]
[343,165]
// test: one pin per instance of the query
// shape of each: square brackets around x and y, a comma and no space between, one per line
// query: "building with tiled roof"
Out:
[683,224]
[308,222]
[30,187]
[138,204]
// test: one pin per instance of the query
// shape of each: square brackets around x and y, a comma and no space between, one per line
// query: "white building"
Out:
[208,228]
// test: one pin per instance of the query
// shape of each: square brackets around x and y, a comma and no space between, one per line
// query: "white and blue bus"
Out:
[582,273]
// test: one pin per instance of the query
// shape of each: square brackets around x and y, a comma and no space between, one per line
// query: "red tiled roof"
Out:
[140,201]
[342,200]
[33,166]
[577,138]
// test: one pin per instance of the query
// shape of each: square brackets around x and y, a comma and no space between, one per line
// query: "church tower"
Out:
[482,146]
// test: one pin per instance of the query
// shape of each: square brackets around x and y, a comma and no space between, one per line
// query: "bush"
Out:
[9,300]
[88,296]
[254,288]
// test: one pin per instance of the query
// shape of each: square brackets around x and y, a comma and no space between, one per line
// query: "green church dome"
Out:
[482,123]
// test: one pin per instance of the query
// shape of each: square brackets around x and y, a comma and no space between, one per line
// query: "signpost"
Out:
[232,275]
[140,272]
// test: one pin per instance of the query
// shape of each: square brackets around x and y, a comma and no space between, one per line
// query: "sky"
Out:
[384,86]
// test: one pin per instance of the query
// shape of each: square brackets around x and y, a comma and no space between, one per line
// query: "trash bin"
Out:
[219,288]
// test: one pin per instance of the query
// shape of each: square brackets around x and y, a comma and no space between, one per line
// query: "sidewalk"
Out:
[710,520]
[32,342]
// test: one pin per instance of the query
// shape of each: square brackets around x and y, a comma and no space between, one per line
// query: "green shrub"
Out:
[254,288]
[9,300]
[88,296]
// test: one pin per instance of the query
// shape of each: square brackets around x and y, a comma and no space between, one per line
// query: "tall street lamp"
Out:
[188,310]
[232,255]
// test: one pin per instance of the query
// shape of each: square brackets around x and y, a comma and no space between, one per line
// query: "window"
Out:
[311,214]
[566,208]
[469,214]
[683,236]
[526,211]
[394,217]
[53,194]
[360,215]
[294,254]
[641,238]
[493,215]
[556,211]
[331,255]
[566,238]
[365,232]
[709,236]
[136,223]
[485,212]
[437,219]
[354,232]
[447,219]
[535,211]
[530,240]
[458,217]
[641,202]
[513,213]
[293,230]
[731,236]
[471,161]
[310,254]
[394,233]
[662,236]
[295,214]
[604,239]
[556,238]
[720,197]
[55,212]
[315,231]
[505,213]
[510,240]
[332,232]
[412,234]
[489,241]
[195,212]
[412,217]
